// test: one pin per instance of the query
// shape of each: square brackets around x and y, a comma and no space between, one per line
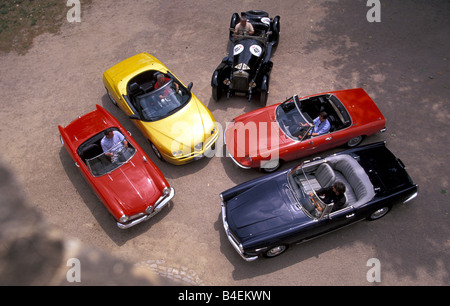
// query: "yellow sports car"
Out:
[179,127]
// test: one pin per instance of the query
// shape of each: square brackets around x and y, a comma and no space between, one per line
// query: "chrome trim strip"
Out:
[411,197]
[227,153]
[163,201]
[237,247]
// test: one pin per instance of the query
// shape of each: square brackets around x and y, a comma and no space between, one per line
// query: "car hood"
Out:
[189,126]
[262,208]
[128,189]
[249,52]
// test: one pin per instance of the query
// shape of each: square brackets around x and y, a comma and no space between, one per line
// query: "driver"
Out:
[244,27]
[161,80]
[113,143]
[333,194]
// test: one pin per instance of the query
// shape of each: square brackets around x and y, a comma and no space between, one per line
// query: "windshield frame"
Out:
[286,124]
[150,103]
[107,166]
[307,199]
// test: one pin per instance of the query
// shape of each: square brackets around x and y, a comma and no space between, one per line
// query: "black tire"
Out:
[156,151]
[111,98]
[275,37]
[263,98]
[275,251]
[273,168]
[216,92]
[233,22]
[379,213]
[256,14]
[355,141]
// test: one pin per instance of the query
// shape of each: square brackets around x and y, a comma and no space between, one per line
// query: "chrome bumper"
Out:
[228,153]
[411,197]
[237,246]
[160,204]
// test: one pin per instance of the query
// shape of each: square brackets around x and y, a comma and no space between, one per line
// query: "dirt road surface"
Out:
[403,62]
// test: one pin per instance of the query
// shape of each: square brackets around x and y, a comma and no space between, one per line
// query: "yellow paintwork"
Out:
[178,133]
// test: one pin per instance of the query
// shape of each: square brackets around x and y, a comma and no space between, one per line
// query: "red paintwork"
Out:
[366,120]
[129,189]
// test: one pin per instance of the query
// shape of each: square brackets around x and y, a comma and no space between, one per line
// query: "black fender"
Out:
[265,83]
[234,20]
[275,28]
[215,78]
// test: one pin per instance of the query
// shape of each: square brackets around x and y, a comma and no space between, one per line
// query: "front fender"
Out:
[265,83]
[215,78]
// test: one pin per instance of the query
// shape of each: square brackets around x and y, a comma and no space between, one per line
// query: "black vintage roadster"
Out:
[266,215]
[247,67]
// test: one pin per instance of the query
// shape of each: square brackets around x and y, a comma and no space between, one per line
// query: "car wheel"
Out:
[379,213]
[276,30]
[234,20]
[354,141]
[156,151]
[111,98]
[271,166]
[216,93]
[256,13]
[275,251]
[263,98]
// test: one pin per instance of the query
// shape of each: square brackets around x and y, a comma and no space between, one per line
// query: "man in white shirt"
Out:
[112,143]
[244,27]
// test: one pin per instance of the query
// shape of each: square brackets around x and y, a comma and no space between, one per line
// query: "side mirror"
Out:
[189,87]
[136,117]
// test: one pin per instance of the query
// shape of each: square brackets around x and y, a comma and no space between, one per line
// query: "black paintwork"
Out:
[261,213]
[240,70]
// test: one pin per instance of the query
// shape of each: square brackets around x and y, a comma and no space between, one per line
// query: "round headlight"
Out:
[166,191]
[199,146]
[177,153]
[124,219]
[149,210]
[246,161]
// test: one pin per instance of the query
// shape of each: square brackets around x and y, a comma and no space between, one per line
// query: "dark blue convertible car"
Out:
[266,215]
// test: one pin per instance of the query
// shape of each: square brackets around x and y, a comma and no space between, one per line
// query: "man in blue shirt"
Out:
[321,125]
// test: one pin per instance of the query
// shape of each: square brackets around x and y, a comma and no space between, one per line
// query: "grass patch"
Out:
[22,20]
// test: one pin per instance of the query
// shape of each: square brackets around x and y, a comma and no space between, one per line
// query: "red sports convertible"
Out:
[298,127]
[131,187]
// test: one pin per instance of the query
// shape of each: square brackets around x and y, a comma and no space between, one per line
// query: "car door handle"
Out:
[329,138]
[350,216]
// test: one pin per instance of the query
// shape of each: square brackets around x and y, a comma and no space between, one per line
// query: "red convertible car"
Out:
[266,137]
[131,187]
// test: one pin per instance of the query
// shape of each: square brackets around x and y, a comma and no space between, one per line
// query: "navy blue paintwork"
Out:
[264,213]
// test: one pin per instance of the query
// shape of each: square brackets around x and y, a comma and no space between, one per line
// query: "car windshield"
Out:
[305,195]
[291,120]
[162,102]
[110,160]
